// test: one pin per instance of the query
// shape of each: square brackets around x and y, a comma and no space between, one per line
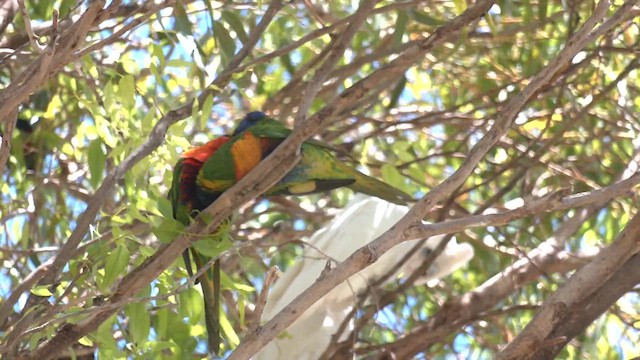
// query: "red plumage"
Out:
[192,161]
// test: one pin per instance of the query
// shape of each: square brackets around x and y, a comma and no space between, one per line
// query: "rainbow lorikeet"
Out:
[319,170]
[204,173]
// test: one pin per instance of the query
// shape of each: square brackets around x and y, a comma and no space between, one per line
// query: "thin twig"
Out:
[270,277]
[33,38]
[5,148]
[338,48]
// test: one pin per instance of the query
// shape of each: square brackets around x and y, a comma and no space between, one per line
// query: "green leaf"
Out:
[42,290]
[288,64]
[65,7]
[180,333]
[108,99]
[179,63]
[139,321]
[97,162]
[85,341]
[236,24]
[228,330]
[115,265]
[168,230]
[212,246]
[158,52]
[206,111]
[225,42]
[397,91]
[542,9]
[104,337]
[241,308]
[392,176]
[229,283]
[182,22]
[162,318]
[35,340]
[425,19]
[24,234]
[400,28]
[165,207]
[460,5]
[191,305]
[127,91]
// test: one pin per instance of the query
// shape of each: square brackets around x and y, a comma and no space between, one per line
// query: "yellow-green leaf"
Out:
[42,290]
[139,321]
[115,265]
[127,91]
[97,161]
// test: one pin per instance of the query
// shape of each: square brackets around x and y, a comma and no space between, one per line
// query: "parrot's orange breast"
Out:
[247,153]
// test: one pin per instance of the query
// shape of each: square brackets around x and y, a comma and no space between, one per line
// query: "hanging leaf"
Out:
[182,22]
[139,321]
[225,42]
[397,91]
[236,24]
[401,26]
[97,162]
[127,91]
[116,263]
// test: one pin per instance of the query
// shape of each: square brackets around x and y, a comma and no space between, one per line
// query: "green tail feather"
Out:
[210,283]
[187,262]
[374,187]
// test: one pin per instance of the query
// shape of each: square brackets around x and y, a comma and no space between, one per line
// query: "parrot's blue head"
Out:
[248,121]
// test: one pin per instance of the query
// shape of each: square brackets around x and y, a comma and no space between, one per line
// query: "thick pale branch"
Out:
[554,202]
[52,59]
[583,284]
[583,313]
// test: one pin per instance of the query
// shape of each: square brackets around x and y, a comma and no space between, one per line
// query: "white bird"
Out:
[361,222]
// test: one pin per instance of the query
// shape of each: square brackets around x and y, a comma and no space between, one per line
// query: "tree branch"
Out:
[337,51]
[583,284]
[583,313]
[556,201]
[52,58]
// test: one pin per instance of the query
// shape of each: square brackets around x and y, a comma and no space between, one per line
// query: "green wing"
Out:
[320,171]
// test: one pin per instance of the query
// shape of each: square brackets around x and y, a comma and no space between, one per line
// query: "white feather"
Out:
[361,222]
